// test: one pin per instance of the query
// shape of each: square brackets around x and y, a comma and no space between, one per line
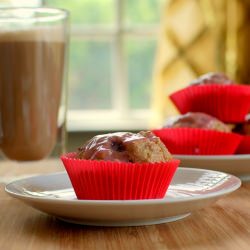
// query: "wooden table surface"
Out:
[225,225]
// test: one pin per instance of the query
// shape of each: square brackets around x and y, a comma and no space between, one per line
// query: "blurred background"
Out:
[112,53]
[127,56]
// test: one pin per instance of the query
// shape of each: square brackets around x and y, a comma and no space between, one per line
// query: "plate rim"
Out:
[25,197]
[214,157]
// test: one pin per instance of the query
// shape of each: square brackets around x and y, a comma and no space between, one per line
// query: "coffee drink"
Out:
[31,77]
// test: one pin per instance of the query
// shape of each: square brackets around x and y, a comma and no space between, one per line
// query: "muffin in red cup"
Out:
[214,94]
[121,166]
[198,134]
[244,130]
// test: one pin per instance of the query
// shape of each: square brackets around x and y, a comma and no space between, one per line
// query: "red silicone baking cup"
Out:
[106,180]
[229,103]
[195,141]
[244,147]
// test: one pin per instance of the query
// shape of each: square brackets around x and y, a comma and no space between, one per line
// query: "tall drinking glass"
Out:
[33,61]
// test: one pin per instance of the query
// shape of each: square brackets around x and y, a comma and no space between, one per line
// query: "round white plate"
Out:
[238,165]
[191,189]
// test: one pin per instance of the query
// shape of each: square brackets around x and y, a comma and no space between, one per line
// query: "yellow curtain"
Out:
[196,37]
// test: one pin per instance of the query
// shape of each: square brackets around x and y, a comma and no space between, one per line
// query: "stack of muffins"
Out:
[128,166]
[213,118]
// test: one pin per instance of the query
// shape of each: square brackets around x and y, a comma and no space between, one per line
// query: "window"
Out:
[112,51]
[20,3]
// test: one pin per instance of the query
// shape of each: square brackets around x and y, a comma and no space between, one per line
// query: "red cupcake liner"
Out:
[106,180]
[244,147]
[229,103]
[195,141]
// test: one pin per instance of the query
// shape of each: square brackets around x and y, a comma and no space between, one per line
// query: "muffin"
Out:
[198,134]
[212,78]
[214,94]
[196,120]
[125,147]
[121,166]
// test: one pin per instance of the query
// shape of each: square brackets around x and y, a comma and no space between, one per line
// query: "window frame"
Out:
[120,116]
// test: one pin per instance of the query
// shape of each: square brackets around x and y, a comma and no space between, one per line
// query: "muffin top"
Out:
[125,147]
[196,120]
[212,78]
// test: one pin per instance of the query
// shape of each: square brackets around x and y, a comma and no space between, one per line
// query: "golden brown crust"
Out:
[151,149]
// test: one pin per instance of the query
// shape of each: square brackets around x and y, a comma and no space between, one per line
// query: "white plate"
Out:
[191,189]
[238,165]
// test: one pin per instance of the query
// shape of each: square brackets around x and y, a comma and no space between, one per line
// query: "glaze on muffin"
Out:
[212,78]
[196,120]
[125,147]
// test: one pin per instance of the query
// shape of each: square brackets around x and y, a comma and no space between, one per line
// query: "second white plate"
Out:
[191,189]
[238,165]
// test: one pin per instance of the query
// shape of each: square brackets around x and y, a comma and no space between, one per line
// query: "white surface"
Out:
[191,189]
[238,165]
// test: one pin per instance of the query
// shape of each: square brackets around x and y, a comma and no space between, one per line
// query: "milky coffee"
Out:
[31,75]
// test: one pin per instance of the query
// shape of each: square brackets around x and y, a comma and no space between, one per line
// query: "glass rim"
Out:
[17,14]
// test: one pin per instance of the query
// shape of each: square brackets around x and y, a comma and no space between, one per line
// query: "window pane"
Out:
[140,53]
[87,11]
[90,75]
[143,11]
[20,3]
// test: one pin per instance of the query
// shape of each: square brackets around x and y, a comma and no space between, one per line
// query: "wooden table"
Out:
[225,225]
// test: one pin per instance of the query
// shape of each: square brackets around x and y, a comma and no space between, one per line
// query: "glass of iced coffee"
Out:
[33,61]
